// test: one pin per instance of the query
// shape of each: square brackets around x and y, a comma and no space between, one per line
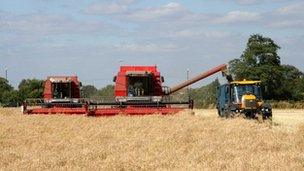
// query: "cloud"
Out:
[116,7]
[238,17]
[168,11]
[298,24]
[290,17]
[46,24]
[172,12]
[169,33]
[293,9]
[291,49]
[106,8]
[256,2]
[249,2]
[147,47]
[175,16]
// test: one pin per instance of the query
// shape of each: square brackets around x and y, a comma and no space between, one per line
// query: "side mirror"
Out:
[114,79]
[162,79]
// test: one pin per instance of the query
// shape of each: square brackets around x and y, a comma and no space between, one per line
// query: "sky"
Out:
[92,38]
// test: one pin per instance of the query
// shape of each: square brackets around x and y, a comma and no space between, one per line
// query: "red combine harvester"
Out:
[138,91]
[61,95]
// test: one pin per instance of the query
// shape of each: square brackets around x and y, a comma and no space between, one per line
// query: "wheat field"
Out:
[182,141]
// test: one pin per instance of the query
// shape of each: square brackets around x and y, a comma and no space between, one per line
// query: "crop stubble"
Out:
[182,141]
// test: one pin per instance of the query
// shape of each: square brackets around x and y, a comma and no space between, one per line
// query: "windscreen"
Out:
[239,90]
[140,86]
[61,90]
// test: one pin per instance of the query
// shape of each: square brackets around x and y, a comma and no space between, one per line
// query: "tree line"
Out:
[259,61]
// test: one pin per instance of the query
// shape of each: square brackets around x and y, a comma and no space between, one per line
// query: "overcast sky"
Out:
[92,38]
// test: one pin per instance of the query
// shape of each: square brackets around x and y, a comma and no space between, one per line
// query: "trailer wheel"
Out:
[227,113]
[219,112]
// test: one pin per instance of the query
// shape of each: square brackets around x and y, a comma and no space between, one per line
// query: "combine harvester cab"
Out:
[139,91]
[61,96]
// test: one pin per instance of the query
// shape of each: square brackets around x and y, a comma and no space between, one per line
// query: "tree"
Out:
[88,91]
[293,82]
[4,85]
[11,99]
[31,88]
[106,92]
[5,88]
[260,61]
[261,51]
[205,96]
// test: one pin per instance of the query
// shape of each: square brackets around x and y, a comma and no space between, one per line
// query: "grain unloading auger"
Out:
[138,91]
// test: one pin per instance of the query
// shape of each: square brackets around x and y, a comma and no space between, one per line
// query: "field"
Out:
[182,141]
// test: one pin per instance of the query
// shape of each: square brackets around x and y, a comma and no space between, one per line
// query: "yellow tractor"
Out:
[242,98]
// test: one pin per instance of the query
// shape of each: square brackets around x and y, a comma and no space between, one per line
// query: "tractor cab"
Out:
[246,93]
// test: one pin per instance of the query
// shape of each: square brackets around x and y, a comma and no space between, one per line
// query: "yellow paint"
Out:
[245,82]
[247,97]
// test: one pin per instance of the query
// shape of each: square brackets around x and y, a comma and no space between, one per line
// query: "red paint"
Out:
[126,75]
[135,111]
[75,86]
[57,110]
[121,88]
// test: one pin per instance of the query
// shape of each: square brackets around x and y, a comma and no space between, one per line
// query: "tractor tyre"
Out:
[227,113]
[260,118]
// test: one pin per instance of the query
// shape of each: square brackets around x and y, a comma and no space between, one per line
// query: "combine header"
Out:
[138,91]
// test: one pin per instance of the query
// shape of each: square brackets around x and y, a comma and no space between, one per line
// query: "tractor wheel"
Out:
[227,113]
[260,118]
[269,117]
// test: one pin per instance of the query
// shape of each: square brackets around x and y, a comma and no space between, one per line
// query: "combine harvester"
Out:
[61,95]
[138,91]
